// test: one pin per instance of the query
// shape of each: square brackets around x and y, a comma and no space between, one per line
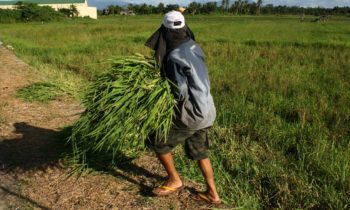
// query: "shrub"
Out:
[33,12]
[29,12]
[9,16]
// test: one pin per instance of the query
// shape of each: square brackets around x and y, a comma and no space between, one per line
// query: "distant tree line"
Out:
[26,12]
[238,7]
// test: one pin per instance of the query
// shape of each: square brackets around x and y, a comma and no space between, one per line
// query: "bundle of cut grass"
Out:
[123,108]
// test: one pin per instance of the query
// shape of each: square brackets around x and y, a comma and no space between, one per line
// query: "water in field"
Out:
[281,88]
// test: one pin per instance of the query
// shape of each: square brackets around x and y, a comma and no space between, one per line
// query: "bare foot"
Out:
[168,187]
[208,197]
[213,196]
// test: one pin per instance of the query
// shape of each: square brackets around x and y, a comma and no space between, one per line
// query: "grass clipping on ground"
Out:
[124,106]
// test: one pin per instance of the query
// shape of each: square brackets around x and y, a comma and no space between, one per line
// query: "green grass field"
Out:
[281,88]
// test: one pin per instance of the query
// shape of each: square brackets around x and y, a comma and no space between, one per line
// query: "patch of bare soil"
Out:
[31,176]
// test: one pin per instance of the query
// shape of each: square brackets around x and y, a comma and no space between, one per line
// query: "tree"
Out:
[65,11]
[113,9]
[160,8]
[144,9]
[131,7]
[258,6]
[73,11]
[245,7]
[194,8]
[171,7]
[225,5]
[238,7]
[235,7]
[209,7]
[33,12]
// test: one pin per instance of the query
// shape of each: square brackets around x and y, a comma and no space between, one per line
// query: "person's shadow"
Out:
[33,148]
[36,148]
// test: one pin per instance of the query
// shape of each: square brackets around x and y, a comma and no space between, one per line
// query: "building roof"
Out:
[11,2]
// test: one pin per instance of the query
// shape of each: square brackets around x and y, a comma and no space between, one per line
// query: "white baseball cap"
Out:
[174,20]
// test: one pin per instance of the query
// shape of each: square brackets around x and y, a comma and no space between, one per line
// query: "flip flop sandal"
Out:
[204,198]
[167,190]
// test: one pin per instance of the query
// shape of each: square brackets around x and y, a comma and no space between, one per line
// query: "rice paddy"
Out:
[281,88]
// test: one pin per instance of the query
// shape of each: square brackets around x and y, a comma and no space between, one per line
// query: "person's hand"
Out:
[181,9]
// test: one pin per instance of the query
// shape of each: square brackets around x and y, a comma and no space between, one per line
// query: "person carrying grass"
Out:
[182,62]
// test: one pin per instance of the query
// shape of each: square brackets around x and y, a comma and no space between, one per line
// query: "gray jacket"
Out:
[186,68]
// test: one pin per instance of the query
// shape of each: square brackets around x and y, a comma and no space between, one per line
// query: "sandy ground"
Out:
[31,173]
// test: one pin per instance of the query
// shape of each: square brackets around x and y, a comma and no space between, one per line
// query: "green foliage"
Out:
[9,16]
[114,9]
[281,88]
[237,7]
[74,11]
[123,108]
[66,12]
[39,92]
[33,12]
[70,12]
[29,12]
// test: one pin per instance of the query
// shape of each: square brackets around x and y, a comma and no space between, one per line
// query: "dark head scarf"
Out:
[164,40]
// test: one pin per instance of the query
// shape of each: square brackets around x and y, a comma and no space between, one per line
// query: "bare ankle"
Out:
[213,194]
[174,182]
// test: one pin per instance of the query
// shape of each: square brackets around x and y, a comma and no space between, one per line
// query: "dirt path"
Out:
[31,176]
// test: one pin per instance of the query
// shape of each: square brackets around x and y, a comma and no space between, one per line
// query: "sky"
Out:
[304,3]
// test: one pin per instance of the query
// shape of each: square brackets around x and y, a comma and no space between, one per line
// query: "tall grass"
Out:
[281,88]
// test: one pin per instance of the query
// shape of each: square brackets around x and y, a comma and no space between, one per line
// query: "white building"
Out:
[81,5]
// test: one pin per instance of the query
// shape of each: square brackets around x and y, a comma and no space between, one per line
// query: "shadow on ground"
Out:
[34,148]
